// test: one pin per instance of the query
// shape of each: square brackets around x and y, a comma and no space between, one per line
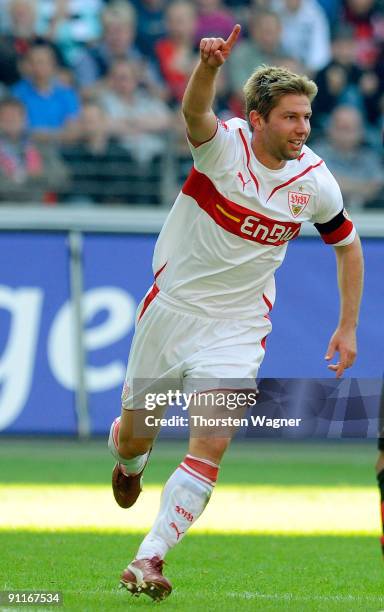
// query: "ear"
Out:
[256,121]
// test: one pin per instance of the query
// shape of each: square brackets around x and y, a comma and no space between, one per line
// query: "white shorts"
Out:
[175,349]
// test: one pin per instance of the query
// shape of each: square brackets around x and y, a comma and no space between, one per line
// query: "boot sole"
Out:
[155,591]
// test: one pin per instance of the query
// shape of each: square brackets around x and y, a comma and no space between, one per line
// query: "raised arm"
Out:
[350,278]
[200,92]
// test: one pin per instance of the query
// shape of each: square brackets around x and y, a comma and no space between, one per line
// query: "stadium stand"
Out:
[133,60]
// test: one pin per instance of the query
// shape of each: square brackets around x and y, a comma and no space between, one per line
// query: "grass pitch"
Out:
[291,526]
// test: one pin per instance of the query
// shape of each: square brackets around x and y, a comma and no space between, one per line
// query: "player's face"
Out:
[282,135]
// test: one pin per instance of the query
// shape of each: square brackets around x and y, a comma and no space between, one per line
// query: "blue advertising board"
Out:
[34,286]
[37,378]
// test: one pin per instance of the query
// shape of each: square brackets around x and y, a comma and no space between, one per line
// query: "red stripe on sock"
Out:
[115,432]
[209,471]
[196,476]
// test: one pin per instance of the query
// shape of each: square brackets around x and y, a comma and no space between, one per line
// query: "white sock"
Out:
[130,466]
[183,500]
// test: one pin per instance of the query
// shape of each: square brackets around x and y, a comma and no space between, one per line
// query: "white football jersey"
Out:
[230,225]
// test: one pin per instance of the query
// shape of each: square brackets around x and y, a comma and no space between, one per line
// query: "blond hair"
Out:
[268,84]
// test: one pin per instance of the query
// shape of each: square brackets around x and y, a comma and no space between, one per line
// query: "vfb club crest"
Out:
[297,202]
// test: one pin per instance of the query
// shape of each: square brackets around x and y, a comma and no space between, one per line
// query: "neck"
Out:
[265,157]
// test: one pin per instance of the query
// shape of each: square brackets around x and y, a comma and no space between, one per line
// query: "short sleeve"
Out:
[217,154]
[331,219]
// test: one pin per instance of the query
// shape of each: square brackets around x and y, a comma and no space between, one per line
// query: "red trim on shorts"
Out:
[209,471]
[269,305]
[264,342]
[245,144]
[243,222]
[149,298]
[338,234]
[294,178]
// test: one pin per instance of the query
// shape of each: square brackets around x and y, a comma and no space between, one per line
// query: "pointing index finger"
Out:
[232,38]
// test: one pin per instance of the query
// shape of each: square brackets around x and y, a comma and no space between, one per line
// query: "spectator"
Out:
[367,20]
[138,120]
[151,25]
[332,9]
[176,53]
[20,37]
[357,168]
[213,19]
[305,32]
[52,107]
[378,71]
[117,42]
[29,173]
[69,24]
[262,47]
[342,81]
[102,172]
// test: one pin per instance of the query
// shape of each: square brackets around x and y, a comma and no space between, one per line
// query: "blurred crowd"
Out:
[90,91]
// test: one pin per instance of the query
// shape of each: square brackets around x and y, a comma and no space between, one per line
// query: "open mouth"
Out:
[296,144]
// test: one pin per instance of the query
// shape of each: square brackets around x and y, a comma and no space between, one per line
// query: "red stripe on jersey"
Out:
[237,219]
[294,178]
[268,303]
[149,298]
[338,234]
[245,144]
[209,471]
[160,270]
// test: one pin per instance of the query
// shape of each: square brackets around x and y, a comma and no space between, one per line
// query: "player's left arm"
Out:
[350,271]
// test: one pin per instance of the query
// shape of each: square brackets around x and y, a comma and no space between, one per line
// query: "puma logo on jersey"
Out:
[178,533]
[243,182]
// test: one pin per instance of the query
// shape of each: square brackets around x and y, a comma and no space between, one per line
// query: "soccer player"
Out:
[253,184]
